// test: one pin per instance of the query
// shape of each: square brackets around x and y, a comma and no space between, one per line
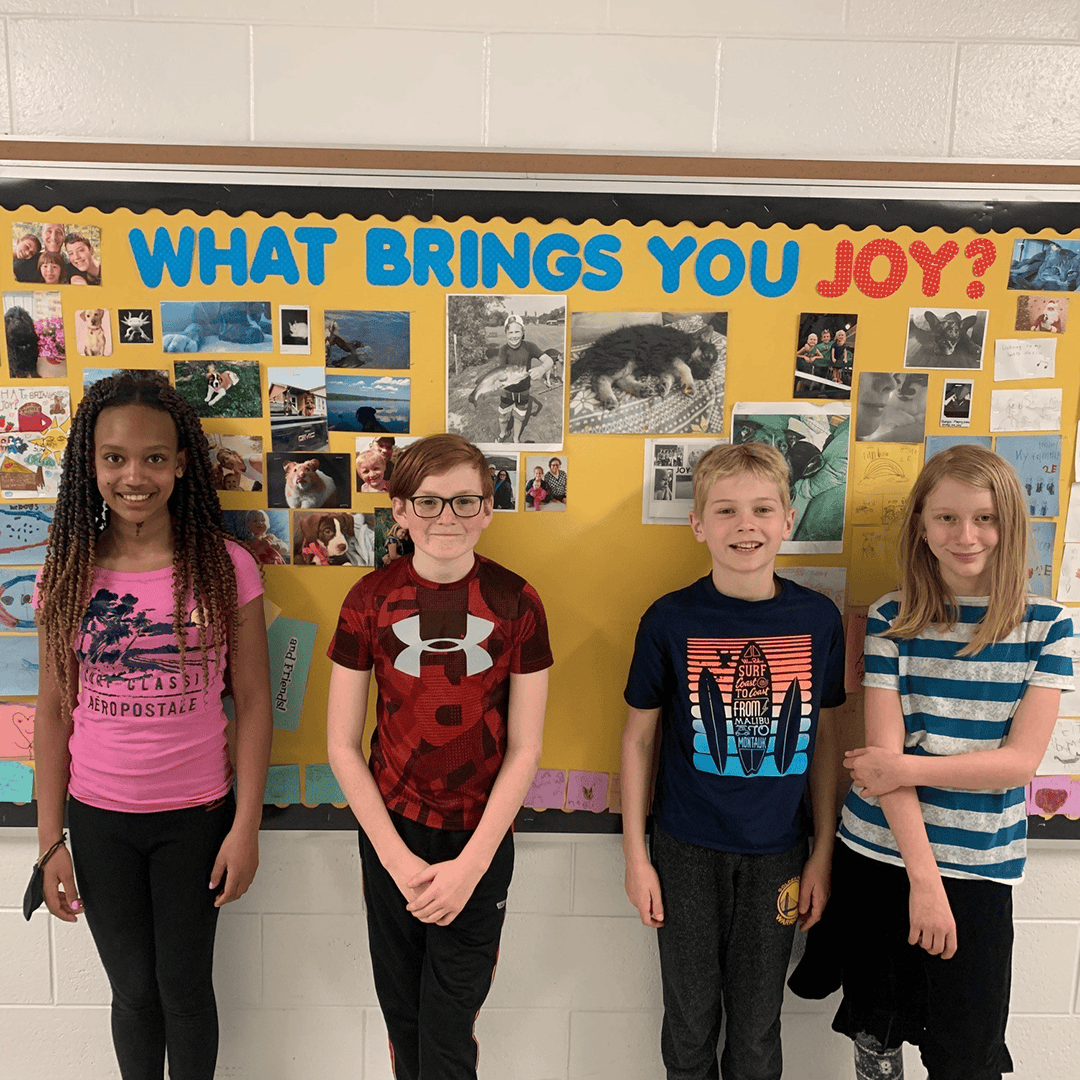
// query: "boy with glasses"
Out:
[459,649]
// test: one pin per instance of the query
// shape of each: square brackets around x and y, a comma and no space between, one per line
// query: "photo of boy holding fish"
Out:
[503,384]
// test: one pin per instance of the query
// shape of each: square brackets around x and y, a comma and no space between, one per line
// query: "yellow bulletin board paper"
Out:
[738,274]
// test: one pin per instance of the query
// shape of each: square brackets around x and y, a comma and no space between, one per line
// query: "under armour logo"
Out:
[476,659]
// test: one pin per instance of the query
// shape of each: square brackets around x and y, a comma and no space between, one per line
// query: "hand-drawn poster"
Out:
[1037,461]
[24,532]
[34,427]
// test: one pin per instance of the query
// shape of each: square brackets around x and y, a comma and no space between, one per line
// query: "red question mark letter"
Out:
[984,253]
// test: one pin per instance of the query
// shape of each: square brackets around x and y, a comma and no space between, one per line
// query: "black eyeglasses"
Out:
[431,506]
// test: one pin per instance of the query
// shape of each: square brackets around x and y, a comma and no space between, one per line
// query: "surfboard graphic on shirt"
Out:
[750,699]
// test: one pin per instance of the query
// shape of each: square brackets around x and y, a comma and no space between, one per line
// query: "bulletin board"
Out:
[316,306]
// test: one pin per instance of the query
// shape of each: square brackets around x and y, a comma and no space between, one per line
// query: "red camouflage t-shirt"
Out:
[442,655]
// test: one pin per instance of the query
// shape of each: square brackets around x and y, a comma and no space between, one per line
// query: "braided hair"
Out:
[201,565]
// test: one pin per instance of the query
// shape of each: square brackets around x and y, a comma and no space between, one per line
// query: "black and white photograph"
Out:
[956,403]
[505,385]
[647,372]
[824,355]
[135,326]
[940,338]
[295,329]
[667,488]
[891,407]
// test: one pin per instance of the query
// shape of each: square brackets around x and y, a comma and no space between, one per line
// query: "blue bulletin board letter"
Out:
[387,263]
[153,262]
[211,256]
[274,258]
[606,272]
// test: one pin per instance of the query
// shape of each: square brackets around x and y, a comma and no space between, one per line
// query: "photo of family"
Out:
[891,407]
[51,253]
[375,459]
[34,331]
[546,487]
[938,338]
[504,363]
[216,326]
[824,356]
[647,372]
[375,339]
[391,540]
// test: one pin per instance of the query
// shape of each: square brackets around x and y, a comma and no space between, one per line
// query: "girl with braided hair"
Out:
[141,603]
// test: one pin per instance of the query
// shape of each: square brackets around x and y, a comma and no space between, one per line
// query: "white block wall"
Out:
[577,993]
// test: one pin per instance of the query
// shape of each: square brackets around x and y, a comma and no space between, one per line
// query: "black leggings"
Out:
[144,879]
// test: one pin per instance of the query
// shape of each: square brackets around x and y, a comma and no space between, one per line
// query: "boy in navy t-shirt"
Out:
[746,668]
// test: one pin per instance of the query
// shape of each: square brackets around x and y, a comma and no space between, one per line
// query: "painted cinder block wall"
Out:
[577,991]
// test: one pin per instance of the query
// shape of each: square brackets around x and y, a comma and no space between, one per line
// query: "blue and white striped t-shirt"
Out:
[955,705]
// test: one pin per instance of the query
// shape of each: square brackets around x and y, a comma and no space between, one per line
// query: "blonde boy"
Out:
[746,668]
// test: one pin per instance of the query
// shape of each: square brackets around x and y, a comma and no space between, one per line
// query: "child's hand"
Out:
[815,887]
[643,889]
[932,923]
[410,866]
[449,886]
[236,862]
[58,886]
[876,770]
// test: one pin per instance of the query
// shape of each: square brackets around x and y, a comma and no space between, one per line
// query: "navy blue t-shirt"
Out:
[739,683]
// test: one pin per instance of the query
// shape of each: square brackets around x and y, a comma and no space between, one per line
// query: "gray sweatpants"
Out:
[729,922]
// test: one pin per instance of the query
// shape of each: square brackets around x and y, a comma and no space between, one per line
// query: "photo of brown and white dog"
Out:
[95,341]
[307,486]
[324,539]
[219,383]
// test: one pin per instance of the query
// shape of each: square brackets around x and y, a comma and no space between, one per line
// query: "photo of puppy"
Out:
[301,481]
[325,540]
[307,486]
[22,343]
[945,339]
[92,337]
[647,371]
[219,383]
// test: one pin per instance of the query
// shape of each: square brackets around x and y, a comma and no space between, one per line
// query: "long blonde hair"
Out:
[925,599]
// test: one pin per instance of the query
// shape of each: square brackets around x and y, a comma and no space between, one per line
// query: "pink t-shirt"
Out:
[139,743]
